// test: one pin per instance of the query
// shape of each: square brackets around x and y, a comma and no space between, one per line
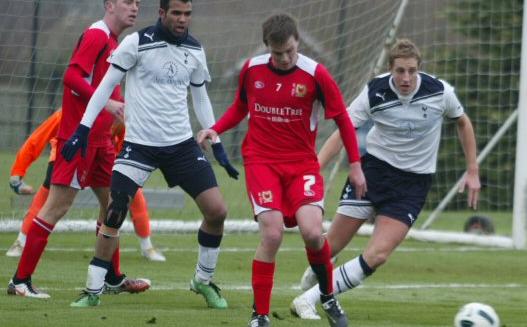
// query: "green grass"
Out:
[422,285]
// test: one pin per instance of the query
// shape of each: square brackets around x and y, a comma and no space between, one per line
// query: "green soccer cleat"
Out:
[86,300]
[210,292]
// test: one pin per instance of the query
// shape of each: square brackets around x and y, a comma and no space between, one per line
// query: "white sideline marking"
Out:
[282,249]
[247,287]
[249,226]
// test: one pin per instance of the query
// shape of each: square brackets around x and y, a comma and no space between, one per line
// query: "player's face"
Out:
[404,72]
[177,17]
[284,56]
[125,11]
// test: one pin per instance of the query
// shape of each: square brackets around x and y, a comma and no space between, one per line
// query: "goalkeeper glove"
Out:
[19,187]
[221,157]
[79,140]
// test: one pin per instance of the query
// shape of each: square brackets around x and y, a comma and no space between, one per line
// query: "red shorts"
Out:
[93,170]
[284,187]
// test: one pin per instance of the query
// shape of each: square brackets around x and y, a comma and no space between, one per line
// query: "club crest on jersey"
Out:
[127,150]
[299,90]
[424,109]
[171,68]
[259,84]
[265,197]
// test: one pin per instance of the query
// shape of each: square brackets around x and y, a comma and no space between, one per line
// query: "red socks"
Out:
[320,261]
[262,280]
[37,238]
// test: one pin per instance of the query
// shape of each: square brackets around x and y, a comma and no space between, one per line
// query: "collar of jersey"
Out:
[409,96]
[165,35]
[279,71]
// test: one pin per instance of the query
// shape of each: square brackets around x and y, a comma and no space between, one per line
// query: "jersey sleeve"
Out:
[201,73]
[453,107]
[35,144]
[126,55]
[330,94]
[90,45]
[358,110]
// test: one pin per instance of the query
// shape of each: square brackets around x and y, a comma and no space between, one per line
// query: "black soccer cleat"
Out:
[336,316]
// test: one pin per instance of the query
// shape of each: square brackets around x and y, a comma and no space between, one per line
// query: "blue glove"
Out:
[79,140]
[221,157]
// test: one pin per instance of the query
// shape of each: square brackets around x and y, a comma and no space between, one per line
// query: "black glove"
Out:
[221,157]
[79,140]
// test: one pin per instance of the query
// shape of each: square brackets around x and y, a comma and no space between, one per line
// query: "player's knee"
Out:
[272,238]
[376,258]
[117,209]
[312,239]
[217,216]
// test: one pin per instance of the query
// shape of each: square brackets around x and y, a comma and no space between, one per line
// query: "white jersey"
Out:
[159,69]
[406,129]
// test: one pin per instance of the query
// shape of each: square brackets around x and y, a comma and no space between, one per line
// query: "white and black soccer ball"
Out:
[476,315]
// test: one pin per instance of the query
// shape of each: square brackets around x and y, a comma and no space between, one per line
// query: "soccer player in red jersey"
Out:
[31,150]
[85,71]
[280,92]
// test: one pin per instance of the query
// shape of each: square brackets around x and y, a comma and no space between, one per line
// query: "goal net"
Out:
[473,44]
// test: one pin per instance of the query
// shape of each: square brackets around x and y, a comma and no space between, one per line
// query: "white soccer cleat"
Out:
[25,289]
[15,250]
[309,279]
[153,254]
[301,308]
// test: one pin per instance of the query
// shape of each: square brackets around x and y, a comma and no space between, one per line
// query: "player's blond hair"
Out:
[404,48]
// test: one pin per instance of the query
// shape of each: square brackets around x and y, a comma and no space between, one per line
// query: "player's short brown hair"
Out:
[278,28]
[404,48]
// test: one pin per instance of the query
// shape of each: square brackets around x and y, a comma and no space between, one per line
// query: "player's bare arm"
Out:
[471,177]
[329,149]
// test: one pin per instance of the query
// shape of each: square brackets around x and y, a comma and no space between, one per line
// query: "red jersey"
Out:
[283,109]
[90,56]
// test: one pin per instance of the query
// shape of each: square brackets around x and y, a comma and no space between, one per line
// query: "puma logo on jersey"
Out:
[411,218]
[380,96]
[151,36]
[202,158]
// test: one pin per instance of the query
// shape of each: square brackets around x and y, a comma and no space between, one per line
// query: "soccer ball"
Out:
[476,315]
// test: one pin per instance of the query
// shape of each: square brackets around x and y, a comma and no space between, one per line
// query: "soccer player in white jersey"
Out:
[282,92]
[160,63]
[407,108]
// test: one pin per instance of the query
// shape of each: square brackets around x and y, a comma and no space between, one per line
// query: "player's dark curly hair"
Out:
[163,4]
[278,28]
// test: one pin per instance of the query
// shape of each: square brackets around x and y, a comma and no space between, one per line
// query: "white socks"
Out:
[207,260]
[22,238]
[146,243]
[345,277]
[95,280]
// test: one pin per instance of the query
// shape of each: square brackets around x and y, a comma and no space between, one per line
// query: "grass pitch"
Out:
[423,284]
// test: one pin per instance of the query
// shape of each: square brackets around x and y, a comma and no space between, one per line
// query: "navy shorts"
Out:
[391,192]
[182,165]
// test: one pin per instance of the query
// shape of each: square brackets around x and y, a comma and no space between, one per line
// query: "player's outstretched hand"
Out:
[18,186]
[78,141]
[221,157]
